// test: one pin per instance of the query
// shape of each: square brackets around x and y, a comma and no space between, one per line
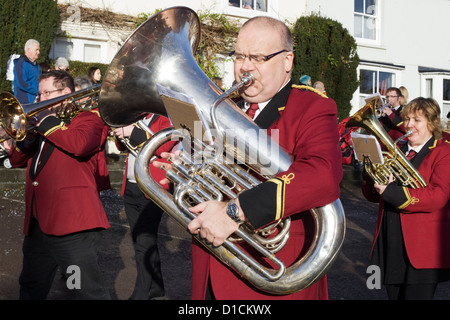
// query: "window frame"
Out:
[78,49]
[395,70]
[377,24]
[249,13]
[436,78]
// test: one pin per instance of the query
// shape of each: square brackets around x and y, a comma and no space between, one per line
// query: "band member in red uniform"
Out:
[142,213]
[391,118]
[411,243]
[264,48]
[64,215]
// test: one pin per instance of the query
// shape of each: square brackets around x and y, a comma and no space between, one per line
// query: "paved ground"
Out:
[347,278]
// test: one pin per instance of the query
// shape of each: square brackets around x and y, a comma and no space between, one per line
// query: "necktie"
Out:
[252,110]
[411,154]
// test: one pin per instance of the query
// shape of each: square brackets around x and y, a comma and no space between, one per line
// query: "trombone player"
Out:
[64,215]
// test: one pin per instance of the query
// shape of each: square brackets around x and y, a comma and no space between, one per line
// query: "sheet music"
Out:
[365,145]
[186,117]
[377,98]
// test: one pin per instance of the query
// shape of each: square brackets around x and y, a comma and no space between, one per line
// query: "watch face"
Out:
[232,211]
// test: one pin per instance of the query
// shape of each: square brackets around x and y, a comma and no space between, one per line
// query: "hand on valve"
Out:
[212,222]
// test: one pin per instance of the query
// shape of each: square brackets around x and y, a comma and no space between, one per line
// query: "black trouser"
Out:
[42,254]
[411,291]
[144,217]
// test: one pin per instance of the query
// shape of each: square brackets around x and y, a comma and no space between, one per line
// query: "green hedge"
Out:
[23,20]
[327,52]
[79,68]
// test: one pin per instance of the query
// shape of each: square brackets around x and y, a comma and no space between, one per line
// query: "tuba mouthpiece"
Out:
[248,79]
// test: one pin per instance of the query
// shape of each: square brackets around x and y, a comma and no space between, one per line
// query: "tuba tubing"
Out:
[329,222]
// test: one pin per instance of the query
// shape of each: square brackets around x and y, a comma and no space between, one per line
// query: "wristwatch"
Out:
[233,211]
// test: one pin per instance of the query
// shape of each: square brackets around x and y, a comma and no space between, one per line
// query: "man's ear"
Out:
[289,61]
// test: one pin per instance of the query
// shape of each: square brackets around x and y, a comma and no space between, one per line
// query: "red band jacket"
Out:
[61,189]
[306,124]
[393,124]
[139,137]
[424,212]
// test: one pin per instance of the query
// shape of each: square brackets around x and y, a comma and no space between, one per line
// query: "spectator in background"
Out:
[82,82]
[95,74]
[62,64]
[319,86]
[10,69]
[26,73]
[305,80]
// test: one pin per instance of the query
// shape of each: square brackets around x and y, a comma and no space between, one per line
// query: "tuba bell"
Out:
[160,54]
[394,160]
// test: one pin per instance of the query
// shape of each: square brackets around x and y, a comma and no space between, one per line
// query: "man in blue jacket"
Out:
[26,73]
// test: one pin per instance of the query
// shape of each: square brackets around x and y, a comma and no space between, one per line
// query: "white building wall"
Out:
[282,9]
[412,34]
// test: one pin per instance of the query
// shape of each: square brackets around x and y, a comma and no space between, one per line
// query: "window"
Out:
[446,100]
[61,48]
[429,88]
[373,81]
[92,53]
[258,5]
[435,83]
[446,91]
[366,19]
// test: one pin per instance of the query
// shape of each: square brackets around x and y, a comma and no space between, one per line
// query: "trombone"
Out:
[14,117]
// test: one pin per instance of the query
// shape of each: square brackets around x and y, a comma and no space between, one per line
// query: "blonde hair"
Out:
[404,97]
[430,109]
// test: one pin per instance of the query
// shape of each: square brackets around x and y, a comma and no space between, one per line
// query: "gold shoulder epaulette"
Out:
[310,89]
[95,111]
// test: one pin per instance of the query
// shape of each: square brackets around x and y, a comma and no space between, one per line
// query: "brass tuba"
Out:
[394,160]
[160,54]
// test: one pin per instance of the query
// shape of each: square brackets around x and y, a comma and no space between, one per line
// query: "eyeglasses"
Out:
[47,93]
[257,58]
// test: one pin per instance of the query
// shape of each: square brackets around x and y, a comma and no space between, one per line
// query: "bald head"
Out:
[268,37]
[280,27]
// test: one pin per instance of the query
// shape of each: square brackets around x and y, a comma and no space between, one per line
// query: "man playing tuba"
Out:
[264,48]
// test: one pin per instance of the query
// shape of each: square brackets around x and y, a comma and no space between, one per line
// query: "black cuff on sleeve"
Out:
[138,137]
[263,204]
[396,195]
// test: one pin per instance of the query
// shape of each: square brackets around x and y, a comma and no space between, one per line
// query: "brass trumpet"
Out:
[379,111]
[14,117]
